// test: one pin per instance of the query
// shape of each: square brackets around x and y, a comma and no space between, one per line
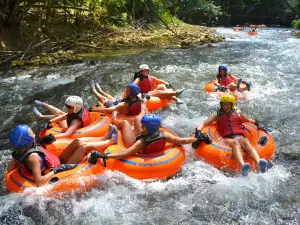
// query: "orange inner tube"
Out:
[160,165]
[79,179]
[252,33]
[220,155]
[97,128]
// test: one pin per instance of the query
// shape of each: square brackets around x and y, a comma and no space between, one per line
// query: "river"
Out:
[199,193]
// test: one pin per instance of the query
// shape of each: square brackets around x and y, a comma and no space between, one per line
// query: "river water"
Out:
[199,193]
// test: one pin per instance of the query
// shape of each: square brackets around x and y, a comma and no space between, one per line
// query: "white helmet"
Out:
[74,101]
[144,67]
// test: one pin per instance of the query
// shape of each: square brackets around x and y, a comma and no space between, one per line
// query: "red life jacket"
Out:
[83,115]
[135,106]
[226,80]
[49,160]
[146,83]
[154,143]
[229,124]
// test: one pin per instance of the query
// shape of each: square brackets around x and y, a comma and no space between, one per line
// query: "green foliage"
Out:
[116,12]
[167,18]
[177,21]
[141,13]
[296,24]
[198,11]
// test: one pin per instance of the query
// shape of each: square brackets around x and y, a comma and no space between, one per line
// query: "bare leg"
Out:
[236,86]
[104,93]
[85,147]
[162,87]
[137,121]
[245,144]
[128,135]
[55,111]
[162,94]
[40,116]
[75,144]
[69,150]
[233,86]
[236,150]
[100,97]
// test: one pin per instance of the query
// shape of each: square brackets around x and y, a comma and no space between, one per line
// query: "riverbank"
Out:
[296,33]
[102,42]
[181,37]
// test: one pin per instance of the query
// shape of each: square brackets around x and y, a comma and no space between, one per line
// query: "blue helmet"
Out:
[223,67]
[152,122]
[134,89]
[20,137]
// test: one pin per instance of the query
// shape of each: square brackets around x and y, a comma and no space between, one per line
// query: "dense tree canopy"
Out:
[140,13]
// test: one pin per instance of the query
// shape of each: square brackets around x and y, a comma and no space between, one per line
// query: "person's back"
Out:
[154,140]
[35,159]
[130,105]
[147,138]
[132,100]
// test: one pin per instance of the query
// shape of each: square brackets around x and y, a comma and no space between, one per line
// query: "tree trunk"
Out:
[12,11]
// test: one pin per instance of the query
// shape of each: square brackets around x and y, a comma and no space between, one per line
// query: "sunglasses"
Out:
[68,106]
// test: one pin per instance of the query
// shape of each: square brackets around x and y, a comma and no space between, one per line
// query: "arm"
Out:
[244,117]
[58,118]
[33,163]
[11,165]
[135,148]
[234,77]
[106,110]
[120,108]
[137,81]
[217,82]
[178,140]
[159,81]
[76,124]
[211,119]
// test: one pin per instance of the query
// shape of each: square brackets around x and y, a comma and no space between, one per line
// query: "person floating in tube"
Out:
[33,158]
[229,121]
[41,163]
[130,105]
[76,117]
[146,83]
[145,138]
[226,81]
